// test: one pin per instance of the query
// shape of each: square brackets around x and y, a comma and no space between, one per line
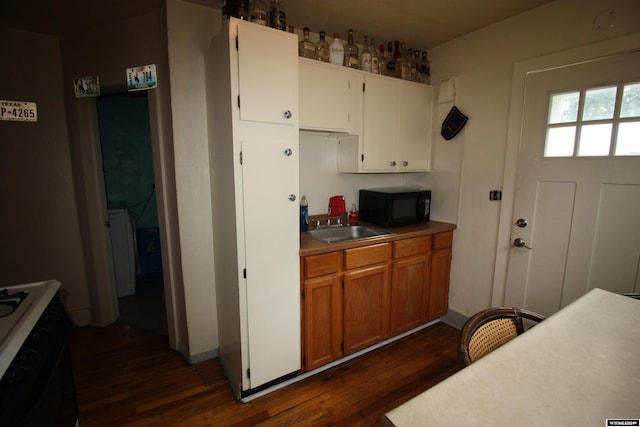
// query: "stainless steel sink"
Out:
[346,234]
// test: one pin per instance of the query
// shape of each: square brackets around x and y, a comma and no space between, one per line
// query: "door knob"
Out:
[522,223]
[520,243]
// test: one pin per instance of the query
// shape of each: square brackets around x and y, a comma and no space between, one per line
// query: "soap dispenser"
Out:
[304,214]
[353,215]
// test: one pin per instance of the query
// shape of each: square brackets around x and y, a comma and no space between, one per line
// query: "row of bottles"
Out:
[404,64]
[261,12]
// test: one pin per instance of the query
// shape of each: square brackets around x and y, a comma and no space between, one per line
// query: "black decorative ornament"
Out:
[453,123]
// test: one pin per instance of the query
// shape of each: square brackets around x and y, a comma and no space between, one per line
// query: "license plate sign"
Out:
[18,111]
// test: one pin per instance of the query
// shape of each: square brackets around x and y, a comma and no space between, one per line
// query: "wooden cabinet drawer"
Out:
[408,247]
[443,240]
[320,265]
[367,255]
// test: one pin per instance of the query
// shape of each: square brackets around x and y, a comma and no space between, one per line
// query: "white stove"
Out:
[16,325]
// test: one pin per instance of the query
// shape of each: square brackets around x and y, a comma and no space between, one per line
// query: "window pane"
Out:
[631,101]
[595,140]
[560,142]
[628,143]
[599,103]
[564,107]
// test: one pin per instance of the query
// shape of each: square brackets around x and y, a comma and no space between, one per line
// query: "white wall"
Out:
[41,234]
[468,167]
[190,28]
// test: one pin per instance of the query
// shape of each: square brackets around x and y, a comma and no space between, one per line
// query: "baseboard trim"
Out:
[454,319]
[201,357]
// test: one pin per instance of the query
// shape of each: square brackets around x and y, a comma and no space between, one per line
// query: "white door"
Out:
[270,188]
[577,199]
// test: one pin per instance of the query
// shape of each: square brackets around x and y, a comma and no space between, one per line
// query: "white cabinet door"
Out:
[414,127]
[324,96]
[380,123]
[270,181]
[267,67]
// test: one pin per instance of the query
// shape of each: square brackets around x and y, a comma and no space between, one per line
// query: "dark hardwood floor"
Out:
[126,376]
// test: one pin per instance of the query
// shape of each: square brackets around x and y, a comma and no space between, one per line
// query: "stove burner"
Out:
[9,302]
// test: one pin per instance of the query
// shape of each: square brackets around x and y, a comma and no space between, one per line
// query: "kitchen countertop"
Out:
[311,246]
[16,327]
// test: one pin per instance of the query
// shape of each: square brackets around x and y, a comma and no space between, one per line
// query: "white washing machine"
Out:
[123,249]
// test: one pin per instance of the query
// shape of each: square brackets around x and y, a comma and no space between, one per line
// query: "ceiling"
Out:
[420,24]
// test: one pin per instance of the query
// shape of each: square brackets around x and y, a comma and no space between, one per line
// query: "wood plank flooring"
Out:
[126,376]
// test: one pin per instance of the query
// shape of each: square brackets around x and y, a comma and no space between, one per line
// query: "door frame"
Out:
[93,206]
[521,70]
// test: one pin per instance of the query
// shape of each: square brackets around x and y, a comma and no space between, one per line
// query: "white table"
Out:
[579,367]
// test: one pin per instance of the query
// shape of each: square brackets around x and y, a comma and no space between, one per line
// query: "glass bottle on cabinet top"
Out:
[336,50]
[365,57]
[426,69]
[259,12]
[351,54]
[322,49]
[278,16]
[391,63]
[375,60]
[306,49]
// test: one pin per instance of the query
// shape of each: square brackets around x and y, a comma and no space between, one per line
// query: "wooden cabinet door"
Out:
[414,127]
[366,307]
[440,272]
[409,293]
[322,321]
[267,74]
[380,123]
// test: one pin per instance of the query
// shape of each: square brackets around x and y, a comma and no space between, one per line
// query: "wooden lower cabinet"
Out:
[440,274]
[439,292]
[409,293]
[354,298]
[366,307]
[322,321]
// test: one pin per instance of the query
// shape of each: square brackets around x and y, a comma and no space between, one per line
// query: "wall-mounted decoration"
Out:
[86,87]
[142,78]
[18,111]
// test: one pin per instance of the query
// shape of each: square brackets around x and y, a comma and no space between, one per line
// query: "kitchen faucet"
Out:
[329,215]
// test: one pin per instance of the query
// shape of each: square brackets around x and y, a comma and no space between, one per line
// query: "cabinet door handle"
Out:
[405,163]
[288,152]
[392,163]
[287,114]
[292,197]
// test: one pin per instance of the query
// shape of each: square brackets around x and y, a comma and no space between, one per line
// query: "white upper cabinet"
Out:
[324,96]
[395,134]
[265,73]
[414,127]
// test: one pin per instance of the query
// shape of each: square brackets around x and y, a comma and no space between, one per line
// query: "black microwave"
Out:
[394,206]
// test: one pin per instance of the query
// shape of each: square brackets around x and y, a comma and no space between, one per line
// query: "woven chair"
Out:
[489,329]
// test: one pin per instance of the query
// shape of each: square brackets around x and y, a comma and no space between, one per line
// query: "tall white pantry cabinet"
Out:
[252,96]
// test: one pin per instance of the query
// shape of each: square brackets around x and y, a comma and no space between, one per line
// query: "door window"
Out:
[600,121]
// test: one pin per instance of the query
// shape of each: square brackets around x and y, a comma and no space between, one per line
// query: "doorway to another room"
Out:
[127,165]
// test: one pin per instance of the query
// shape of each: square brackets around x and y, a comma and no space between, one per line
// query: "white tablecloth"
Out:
[579,367]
